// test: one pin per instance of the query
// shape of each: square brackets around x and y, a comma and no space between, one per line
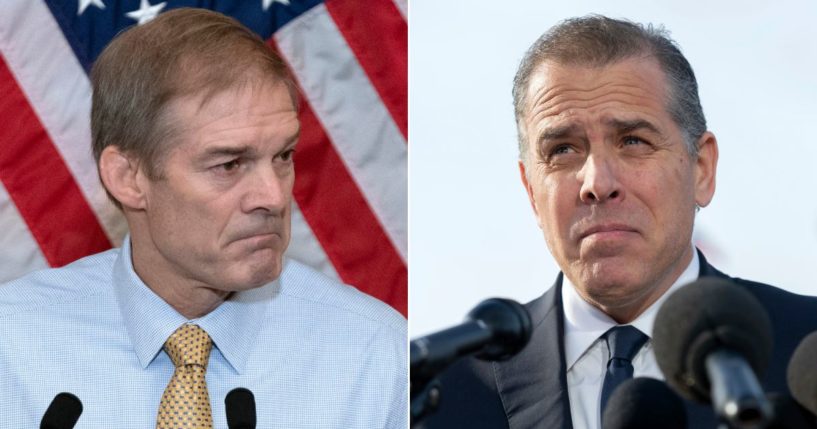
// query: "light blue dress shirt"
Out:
[315,353]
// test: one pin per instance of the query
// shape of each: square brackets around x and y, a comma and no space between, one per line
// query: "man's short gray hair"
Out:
[597,41]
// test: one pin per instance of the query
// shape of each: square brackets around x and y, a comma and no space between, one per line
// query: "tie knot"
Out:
[624,342]
[189,345]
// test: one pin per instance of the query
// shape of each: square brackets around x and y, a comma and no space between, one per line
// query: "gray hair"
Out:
[597,41]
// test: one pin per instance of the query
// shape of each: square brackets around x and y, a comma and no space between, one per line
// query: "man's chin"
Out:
[609,281]
[251,281]
[255,273]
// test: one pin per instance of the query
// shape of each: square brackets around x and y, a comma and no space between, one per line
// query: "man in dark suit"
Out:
[616,160]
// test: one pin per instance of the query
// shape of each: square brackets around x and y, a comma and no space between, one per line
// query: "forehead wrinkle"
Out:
[567,100]
[255,115]
[546,93]
[223,127]
[576,94]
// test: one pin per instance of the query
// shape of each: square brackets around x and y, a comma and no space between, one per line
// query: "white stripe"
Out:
[19,252]
[305,247]
[402,5]
[59,92]
[362,130]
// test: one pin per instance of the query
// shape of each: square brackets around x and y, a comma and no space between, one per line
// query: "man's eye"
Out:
[287,156]
[230,165]
[561,150]
[631,140]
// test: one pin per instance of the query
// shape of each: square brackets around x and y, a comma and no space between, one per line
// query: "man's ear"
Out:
[524,176]
[120,175]
[706,167]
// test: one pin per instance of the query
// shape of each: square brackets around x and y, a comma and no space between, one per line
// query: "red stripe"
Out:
[40,184]
[341,218]
[378,35]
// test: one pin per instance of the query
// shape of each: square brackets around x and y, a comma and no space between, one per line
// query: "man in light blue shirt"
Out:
[194,129]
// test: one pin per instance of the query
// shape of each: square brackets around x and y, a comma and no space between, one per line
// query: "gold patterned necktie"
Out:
[185,403]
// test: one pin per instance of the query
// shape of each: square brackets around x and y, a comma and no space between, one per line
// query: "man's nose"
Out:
[267,191]
[599,180]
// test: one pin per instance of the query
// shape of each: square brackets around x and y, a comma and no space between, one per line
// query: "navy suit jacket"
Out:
[530,389]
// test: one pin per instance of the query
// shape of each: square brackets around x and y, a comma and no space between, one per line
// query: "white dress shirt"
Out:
[586,354]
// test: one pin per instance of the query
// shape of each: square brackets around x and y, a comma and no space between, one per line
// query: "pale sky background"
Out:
[472,232]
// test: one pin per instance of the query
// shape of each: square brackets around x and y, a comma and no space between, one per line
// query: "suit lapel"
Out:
[533,384]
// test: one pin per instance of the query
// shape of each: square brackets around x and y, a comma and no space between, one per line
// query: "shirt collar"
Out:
[149,320]
[584,323]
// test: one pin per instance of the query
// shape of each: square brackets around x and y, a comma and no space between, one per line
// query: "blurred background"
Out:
[472,233]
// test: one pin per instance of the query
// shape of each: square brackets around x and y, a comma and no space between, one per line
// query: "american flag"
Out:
[349,58]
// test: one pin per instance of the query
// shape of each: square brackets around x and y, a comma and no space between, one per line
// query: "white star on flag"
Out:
[267,3]
[146,12]
[83,4]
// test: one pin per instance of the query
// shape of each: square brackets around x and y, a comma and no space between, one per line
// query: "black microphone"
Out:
[63,412]
[496,329]
[801,374]
[788,414]
[712,339]
[644,403]
[240,408]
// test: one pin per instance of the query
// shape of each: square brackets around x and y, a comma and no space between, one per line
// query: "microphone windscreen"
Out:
[63,412]
[240,409]
[802,373]
[788,414]
[510,326]
[644,403]
[707,315]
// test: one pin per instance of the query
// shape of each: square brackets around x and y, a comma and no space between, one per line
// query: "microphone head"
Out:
[707,315]
[510,323]
[63,412]
[788,414]
[240,409]
[801,375]
[644,403]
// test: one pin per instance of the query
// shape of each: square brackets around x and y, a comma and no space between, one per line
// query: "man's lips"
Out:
[259,237]
[610,229]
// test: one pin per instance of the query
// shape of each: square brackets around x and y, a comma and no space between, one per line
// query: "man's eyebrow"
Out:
[624,126]
[293,139]
[558,132]
[219,151]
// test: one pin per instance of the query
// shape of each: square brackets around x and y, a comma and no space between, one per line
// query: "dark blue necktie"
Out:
[624,342]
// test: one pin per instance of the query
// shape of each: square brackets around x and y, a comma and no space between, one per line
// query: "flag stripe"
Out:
[19,252]
[377,34]
[305,247]
[369,143]
[40,185]
[341,219]
[60,93]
